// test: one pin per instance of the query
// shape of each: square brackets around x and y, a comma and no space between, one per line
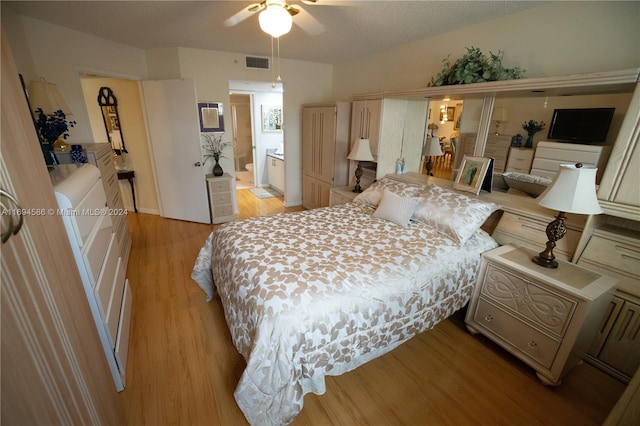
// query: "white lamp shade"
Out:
[45,95]
[275,20]
[432,147]
[500,114]
[572,191]
[361,151]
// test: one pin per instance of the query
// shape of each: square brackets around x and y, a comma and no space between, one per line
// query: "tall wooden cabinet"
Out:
[325,146]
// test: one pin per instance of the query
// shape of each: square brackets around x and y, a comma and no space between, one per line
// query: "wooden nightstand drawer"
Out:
[222,211]
[219,185]
[547,310]
[221,198]
[525,338]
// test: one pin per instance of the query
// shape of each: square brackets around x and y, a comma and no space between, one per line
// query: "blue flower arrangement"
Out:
[533,127]
[51,127]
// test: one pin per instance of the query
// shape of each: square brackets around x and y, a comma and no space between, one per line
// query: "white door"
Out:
[172,114]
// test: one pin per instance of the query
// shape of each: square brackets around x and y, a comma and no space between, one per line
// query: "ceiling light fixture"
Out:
[275,20]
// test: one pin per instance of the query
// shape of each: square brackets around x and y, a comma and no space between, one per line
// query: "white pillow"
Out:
[373,193]
[395,208]
[455,215]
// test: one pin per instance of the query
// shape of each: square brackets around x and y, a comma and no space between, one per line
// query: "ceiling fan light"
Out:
[275,20]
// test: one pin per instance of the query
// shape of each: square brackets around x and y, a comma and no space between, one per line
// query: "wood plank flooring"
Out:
[183,369]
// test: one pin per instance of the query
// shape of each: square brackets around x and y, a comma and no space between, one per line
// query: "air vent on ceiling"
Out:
[256,62]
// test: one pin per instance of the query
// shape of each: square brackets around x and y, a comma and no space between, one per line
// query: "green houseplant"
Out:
[213,148]
[474,67]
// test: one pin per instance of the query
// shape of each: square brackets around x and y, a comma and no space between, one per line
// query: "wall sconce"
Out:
[431,149]
[572,191]
[361,151]
[499,115]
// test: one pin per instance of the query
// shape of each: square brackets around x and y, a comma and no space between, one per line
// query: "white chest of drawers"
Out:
[221,192]
[519,160]
[86,216]
[546,317]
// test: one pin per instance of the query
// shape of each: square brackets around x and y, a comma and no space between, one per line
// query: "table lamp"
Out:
[431,148]
[572,191]
[361,151]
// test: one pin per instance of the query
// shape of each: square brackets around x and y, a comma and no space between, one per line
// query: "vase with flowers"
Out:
[51,127]
[213,148]
[532,127]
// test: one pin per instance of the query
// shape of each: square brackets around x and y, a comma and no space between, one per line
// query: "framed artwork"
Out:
[451,114]
[472,174]
[271,118]
[211,118]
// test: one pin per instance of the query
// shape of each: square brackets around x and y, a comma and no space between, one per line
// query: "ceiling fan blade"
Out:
[326,3]
[245,13]
[308,23]
[293,11]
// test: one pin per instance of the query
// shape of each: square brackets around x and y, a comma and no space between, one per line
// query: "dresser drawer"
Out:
[220,198]
[104,287]
[618,257]
[124,326]
[219,185]
[96,248]
[112,318]
[84,218]
[537,305]
[531,342]
[222,211]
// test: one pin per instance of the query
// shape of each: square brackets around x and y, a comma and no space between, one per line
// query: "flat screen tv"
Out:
[581,125]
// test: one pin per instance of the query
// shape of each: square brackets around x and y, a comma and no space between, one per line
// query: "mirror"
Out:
[109,106]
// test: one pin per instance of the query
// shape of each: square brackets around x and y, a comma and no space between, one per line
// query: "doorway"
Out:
[254,141]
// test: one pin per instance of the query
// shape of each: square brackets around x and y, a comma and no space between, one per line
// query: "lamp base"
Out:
[359,172]
[547,263]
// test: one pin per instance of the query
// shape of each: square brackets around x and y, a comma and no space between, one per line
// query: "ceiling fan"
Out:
[275,17]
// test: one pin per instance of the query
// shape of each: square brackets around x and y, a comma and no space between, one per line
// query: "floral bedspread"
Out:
[322,291]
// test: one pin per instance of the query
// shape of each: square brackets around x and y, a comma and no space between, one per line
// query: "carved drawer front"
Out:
[550,311]
[535,344]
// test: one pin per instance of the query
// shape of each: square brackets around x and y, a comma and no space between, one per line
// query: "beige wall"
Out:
[558,38]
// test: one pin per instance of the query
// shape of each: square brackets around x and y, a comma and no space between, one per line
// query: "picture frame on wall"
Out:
[472,174]
[211,117]
[451,114]
[271,118]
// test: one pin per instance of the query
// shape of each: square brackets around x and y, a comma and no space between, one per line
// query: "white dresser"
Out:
[221,191]
[87,218]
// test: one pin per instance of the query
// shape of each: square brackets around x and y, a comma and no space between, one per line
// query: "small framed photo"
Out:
[211,118]
[451,114]
[271,118]
[472,174]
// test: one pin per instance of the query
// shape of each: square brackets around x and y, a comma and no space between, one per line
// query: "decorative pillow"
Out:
[373,193]
[395,208]
[529,184]
[455,215]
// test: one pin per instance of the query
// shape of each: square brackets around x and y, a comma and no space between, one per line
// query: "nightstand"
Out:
[546,317]
[221,190]
[342,195]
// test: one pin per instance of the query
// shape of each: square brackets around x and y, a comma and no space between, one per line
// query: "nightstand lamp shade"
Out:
[361,151]
[572,191]
[431,148]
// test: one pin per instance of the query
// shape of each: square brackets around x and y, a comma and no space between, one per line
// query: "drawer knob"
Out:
[532,344]
[488,318]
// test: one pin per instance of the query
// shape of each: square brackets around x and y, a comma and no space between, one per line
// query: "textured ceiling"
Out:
[342,30]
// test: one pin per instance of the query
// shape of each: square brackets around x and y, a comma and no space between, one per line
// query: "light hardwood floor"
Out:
[183,369]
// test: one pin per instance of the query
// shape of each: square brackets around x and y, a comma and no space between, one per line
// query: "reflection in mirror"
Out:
[109,106]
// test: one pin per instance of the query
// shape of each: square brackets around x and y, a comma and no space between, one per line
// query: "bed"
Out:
[322,291]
